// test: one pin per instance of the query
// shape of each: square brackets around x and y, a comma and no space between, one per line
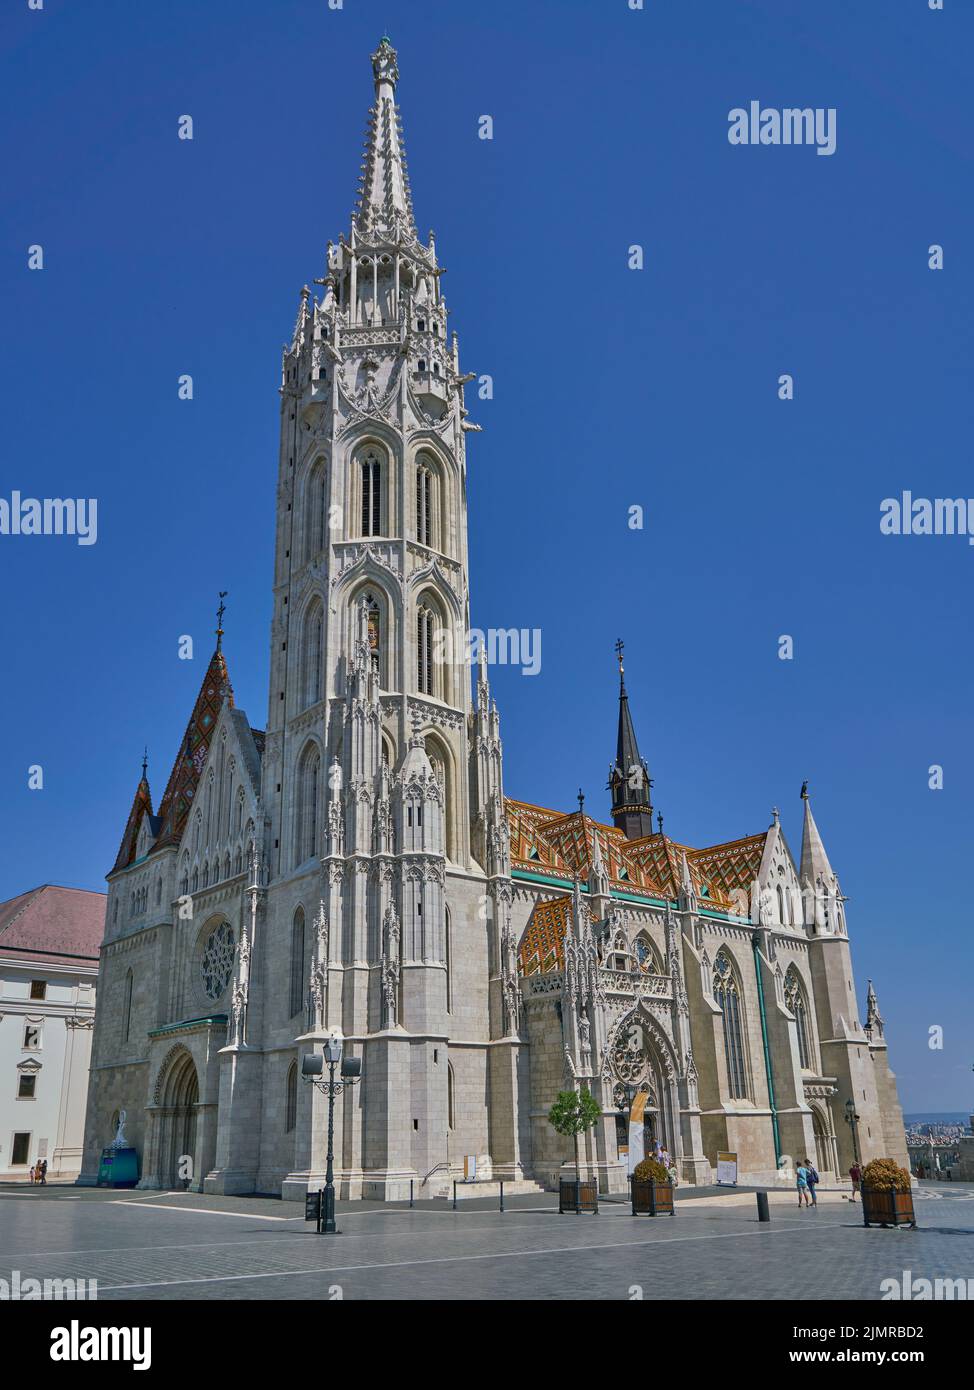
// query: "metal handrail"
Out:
[444,1164]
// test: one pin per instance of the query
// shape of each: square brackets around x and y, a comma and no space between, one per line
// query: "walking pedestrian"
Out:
[802,1184]
[855,1173]
[32,1174]
[813,1180]
[43,1172]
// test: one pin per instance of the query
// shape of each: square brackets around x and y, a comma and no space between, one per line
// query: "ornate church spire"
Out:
[629,779]
[820,887]
[384,205]
[874,1019]
[815,864]
[141,806]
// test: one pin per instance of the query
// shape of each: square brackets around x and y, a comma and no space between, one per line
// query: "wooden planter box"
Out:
[881,1208]
[651,1198]
[578,1197]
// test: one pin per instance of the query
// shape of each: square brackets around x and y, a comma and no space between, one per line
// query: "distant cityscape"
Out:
[933,1141]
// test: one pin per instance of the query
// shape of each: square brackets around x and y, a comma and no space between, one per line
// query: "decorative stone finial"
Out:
[385,69]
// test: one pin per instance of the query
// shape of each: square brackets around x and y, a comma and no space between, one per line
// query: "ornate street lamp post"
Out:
[350,1071]
[852,1120]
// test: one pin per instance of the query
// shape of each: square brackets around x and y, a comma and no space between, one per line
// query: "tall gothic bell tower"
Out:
[366,773]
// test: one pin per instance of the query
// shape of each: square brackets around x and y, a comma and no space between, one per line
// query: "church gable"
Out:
[777,881]
[185,776]
[140,828]
[220,824]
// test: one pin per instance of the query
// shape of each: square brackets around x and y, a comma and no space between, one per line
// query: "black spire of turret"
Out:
[629,779]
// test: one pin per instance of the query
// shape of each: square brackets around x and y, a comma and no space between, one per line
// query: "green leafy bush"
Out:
[572,1114]
[650,1168]
[885,1175]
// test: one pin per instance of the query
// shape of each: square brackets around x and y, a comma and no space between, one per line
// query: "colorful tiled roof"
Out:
[529,847]
[542,839]
[141,806]
[541,944]
[732,865]
[565,844]
[188,767]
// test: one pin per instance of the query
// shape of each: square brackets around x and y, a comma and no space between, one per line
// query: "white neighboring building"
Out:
[49,940]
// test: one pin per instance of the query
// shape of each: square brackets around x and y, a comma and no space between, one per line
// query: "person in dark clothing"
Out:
[855,1173]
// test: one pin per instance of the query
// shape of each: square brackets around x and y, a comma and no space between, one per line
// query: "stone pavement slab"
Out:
[194,1246]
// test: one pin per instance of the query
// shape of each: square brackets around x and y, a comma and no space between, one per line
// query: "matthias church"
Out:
[356,863]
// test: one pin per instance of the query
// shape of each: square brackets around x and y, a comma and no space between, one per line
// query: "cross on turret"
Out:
[629,779]
[219,618]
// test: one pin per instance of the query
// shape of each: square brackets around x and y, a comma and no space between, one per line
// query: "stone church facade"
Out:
[356,865]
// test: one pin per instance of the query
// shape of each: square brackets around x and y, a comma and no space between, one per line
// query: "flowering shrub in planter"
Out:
[887,1194]
[651,1189]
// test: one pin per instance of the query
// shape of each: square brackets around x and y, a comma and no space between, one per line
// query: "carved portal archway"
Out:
[639,1054]
[177,1095]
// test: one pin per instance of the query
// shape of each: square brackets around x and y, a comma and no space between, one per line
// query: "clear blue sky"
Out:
[612,388]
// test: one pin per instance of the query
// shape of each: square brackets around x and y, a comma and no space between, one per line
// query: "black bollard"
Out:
[763,1212]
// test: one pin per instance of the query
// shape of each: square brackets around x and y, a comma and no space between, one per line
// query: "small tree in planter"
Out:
[572,1114]
[887,1194]
[651,1188]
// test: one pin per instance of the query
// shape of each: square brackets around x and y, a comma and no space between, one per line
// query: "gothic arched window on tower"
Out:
[127,1007]
[371,473]
[291,1099]
[374,632]
[314,632]
[440,763]
[424,651]
[795,1000]
[296,983]
[727,997]
[309,793]
[448,953]
[424,505]
[318,511]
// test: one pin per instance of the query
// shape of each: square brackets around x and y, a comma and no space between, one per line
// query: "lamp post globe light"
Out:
[350,1071]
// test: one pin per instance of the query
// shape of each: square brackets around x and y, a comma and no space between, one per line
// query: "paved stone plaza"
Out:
[187,1246]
